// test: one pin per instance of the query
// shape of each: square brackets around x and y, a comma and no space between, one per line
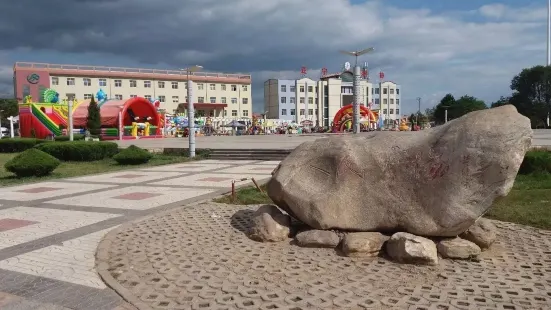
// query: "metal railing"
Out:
[34,65]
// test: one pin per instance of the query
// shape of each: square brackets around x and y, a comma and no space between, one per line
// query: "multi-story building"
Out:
[214,94]
[319,101]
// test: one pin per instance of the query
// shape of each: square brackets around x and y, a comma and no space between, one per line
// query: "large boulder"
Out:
[269,224]
[434,182]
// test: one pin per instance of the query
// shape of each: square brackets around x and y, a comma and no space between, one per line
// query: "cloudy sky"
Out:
[430,47]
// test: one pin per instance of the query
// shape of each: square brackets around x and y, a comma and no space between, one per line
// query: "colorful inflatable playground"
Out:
[344,117]
[135,117]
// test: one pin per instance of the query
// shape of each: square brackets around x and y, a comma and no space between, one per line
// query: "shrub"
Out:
[76,137]
[80,150]
[536,161]
[132,155]
[16,145]
[32,162]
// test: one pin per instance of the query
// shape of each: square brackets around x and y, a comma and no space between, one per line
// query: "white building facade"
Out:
[319,101]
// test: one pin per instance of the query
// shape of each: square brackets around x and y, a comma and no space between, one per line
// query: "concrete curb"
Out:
[102,252]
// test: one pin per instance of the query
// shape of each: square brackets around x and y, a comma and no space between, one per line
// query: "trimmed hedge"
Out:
[76,137]
[80,150]
[16,145]
[132,155]
[32,162]
[536,161]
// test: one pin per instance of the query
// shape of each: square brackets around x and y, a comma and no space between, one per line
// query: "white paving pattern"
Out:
[73,261]
[25,221]
[218,180]
[48,222]
[133,197]
[128,177]
[45,190]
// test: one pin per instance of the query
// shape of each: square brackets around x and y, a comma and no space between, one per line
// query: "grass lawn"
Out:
[528,203]
[73,169]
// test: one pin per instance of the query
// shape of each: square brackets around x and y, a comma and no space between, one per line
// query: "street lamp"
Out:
[548,32]
[1,132]
[190,109]
[70,117]
[418,111]
[356,86]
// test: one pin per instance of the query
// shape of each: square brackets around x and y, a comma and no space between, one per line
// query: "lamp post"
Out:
[1,132]
[11,127]
[548,32]
[356,86]
[70,125]
[419,110]
[190,109]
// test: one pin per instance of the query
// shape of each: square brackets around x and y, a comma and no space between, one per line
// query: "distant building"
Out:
[319,101]
[215,94]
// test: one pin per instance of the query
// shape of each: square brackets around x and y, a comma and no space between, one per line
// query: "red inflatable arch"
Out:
[346,113]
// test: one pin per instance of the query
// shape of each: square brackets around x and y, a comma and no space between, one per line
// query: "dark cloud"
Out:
[417,49]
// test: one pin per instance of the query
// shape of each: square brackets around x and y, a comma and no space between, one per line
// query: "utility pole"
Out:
[190,109]
[356,87]
[419,110]
[548,32]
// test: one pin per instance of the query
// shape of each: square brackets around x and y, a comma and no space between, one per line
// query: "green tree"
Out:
[440,110]
[93,121]
[456,107]
[9,108]
[501,102]
[532,94]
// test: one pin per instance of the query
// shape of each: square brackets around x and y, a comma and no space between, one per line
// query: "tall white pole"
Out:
[191,117]
[548,32]
[356,98]
[12,134]
[306,101]
[121,125]
[70,119]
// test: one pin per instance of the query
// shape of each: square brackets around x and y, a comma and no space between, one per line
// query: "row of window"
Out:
[293,112]
[301,100]
[385,101]
[391,111]
[344,89]
[311,100]
[146,84]
[201,113]
[311,111]
[293,89]
[175,99]
[375,91]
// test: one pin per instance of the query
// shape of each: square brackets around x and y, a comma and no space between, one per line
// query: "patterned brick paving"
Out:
[199,257]
[49,231]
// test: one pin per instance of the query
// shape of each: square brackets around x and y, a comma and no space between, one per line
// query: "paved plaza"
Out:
[199,257]
[542,137]
[49,231]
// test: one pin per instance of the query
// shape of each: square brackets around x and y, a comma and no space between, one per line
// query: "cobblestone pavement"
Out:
[198,257]
[49,231]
